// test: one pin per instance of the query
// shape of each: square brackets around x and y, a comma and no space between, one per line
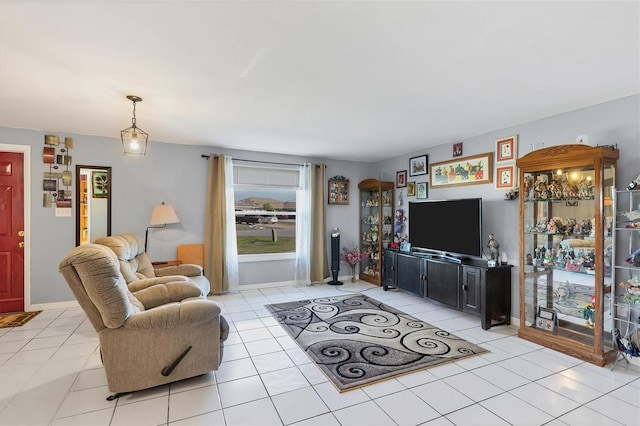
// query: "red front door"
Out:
[11,232]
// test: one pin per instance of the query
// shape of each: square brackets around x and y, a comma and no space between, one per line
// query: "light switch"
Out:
[63,212]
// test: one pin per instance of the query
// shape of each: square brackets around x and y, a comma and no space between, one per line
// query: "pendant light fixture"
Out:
[134,139]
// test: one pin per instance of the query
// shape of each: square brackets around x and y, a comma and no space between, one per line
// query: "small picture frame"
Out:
[401,179]
[457,149]
[505,176]
[100,184]
[411,189]
[421,190]
[506,148]
[546,319]
[405,247]
[419,165]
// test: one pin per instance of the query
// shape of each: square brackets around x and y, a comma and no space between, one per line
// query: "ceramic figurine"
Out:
[494,251]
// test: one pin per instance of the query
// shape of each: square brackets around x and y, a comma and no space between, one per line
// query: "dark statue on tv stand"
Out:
[494,251]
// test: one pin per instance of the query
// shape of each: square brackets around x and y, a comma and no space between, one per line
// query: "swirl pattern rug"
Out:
[357,340]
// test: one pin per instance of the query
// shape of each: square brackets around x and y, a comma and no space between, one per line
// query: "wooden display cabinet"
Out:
[565,249]
[338,191]
[376,226]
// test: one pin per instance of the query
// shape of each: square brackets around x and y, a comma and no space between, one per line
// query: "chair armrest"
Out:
[172,315]
[148,282]
[161,294]
[186,269]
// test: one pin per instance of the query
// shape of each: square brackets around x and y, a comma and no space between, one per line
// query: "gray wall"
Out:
[176,174]
[615,122]
[173,173]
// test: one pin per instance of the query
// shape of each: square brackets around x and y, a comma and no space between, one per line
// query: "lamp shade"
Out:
[163,214]
[134,141]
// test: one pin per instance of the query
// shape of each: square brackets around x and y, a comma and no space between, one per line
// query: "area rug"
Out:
[357,340]
[16,319]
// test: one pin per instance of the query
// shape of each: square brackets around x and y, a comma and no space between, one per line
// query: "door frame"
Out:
[26,180]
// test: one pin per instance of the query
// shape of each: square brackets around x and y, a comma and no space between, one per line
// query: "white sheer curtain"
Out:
[231,246]
[303,227]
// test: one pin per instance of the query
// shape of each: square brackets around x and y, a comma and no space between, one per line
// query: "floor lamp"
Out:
[163,214]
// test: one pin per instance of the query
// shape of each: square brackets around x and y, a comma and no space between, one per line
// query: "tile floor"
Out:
[50,373]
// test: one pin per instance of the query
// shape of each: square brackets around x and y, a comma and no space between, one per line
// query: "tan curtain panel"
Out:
[214,228]
[319,268]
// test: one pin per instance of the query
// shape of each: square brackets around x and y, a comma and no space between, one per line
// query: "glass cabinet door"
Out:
[376,226]
[566,262]
[369,225]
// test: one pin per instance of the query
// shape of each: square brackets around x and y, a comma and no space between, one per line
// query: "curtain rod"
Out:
[259,161]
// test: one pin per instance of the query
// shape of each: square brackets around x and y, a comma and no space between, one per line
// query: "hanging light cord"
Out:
[133,119]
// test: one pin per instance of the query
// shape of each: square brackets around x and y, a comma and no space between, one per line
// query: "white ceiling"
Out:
[342,79]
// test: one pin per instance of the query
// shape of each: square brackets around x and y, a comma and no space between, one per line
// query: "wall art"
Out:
[505,176]
[472,170]
[418,165]
[401,179]
[506,148]
[100,184]
[421,190]
[411,189]
[457,149]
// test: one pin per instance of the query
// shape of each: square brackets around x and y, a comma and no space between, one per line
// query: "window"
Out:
[265,210]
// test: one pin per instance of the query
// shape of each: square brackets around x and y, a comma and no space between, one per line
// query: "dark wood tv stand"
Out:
[468,285]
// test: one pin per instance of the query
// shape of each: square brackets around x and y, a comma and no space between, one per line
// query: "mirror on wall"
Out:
[93,203]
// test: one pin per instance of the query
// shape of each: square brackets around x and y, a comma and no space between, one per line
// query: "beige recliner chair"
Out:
[138,270]
[160,334]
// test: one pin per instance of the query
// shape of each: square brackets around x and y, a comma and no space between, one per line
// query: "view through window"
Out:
[265,220]
[265,209]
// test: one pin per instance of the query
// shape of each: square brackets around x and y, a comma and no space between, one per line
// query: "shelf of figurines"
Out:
[630,291]
[580,264]
[557,200]
[372,200]
[560,188]
[568,227]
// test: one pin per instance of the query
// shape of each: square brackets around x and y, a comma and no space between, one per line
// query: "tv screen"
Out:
[453,227]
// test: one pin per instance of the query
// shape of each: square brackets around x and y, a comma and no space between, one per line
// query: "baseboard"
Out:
[53,305]
[344,279]
[266,285]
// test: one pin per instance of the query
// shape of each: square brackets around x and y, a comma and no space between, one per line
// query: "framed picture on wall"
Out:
[418,165]
[411,189]
[421,190]
[472,170]
[505,176]
[401,179]
[457,149]
[506,148]
[100,184]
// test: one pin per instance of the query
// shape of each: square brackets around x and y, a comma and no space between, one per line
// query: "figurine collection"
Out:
[560,188]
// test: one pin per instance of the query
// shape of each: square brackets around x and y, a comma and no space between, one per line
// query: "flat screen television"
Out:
[449,227]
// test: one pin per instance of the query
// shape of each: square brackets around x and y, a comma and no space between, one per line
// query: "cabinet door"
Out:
[443,282]
[409,274]
[471,289]
[388,269]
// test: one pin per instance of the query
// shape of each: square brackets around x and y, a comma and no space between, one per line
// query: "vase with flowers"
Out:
[352,257]
[632,290]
